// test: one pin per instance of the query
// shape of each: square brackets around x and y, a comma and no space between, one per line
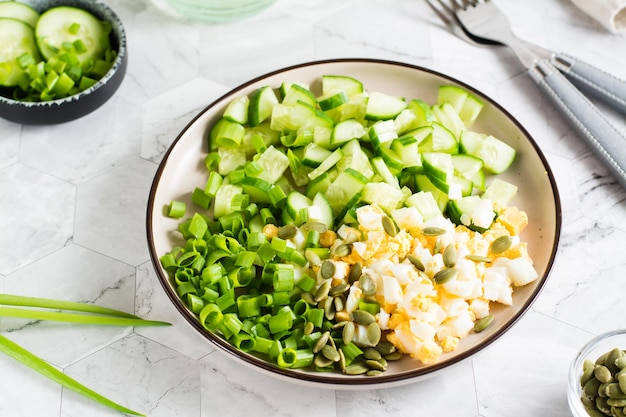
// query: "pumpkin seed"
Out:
[478,258]
[355,272]
[367,284]
[613,390]
[341,316]
[394,356]
[373,372]
[322,291]
[330,352]
[356,369]
[373,334]
[371,353]
[363,317]
[347,334]
[621,380]
[308,328]
[322,361]
[602,373]
[313,258]
[338,289]
[321,342]
[340,250]
[437,247]
[591,387]
[309,298]
[389,226]
[385,348]
[314,225]
[483,323]
[287,232]
[614,402]
[339,303]
[433,231]
[620,362]
[602,405]
[445,275]
[327,270]
[449,256]
[417,262]
[329,308]
[342,359]
[612,357]
[588,367]
[372,364]
[501,244]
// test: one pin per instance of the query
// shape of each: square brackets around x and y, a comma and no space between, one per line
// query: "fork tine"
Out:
[447,14]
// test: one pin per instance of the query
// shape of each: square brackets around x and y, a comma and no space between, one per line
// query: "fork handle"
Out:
[607,143]
[593,80]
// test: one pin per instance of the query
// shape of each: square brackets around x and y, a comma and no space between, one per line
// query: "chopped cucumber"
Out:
[297,92]
[274,163]
[382,106]
[262,102]
[333,83]
[500,192]
[347,130]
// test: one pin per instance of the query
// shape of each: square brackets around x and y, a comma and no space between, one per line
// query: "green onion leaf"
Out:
[27,358]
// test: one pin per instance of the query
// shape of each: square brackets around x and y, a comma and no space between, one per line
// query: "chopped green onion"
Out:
[74,28]
[176,209]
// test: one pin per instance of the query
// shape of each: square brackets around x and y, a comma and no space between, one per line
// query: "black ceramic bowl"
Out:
[77,105]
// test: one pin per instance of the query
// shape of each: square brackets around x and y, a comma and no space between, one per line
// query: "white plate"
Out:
[182,169]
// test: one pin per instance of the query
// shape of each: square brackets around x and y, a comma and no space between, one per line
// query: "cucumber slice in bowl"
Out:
[16,39]
[61,110]
[62,26]
[19,11]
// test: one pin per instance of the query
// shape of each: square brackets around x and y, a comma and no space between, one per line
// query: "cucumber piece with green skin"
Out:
[425,203]
[19,11]
[325,210]
[500,192]
[344,188]
[473,212]
[381,106]
[262,102]
[297,92]
[345,131]
[65,25]
[333,83]
[16,39]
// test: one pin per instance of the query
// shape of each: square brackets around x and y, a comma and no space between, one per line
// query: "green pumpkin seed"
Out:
[313,258]
[617,412]
[478,258]
[322,361]
[347,334]
[602,373]
[602,388]
[340,250]
[394,356]
[339,303]
[329,308]
[501,244]
[417,262]
[327,270]
[612,357]
[588,367]
[309,298]
[314,225]
[371,353]
[389,226]
[613,390]
[602,359]
[445,275]
[449,256]
[621,380]
[374,372]
[342,359]
[620,362]
[322,291]
[437,247]
[433,231]
[372,364]
[330,352]
[602,405]
[308,328]
[356,369]
[355,272]
[614,402]
[385,348]
[483,323]
[363,317]
[591,387]
[338,289]
[321,342]
[367,284]
[373,334]
[287,232]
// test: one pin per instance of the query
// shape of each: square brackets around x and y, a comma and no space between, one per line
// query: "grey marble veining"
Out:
[73,204]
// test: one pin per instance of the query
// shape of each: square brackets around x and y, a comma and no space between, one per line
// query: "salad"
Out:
[344,228]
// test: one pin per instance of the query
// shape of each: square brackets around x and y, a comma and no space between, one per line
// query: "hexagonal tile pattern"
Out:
[36,215]
[111,211]
[73,205]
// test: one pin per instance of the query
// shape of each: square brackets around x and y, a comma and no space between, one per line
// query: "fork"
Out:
[483,22]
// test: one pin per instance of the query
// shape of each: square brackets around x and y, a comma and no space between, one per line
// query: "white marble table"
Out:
[73,203]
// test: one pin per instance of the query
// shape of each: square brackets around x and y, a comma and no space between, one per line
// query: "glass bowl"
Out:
[595,348]
[215,11]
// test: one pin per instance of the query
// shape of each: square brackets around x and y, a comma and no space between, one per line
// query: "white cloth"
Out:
[610,13]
